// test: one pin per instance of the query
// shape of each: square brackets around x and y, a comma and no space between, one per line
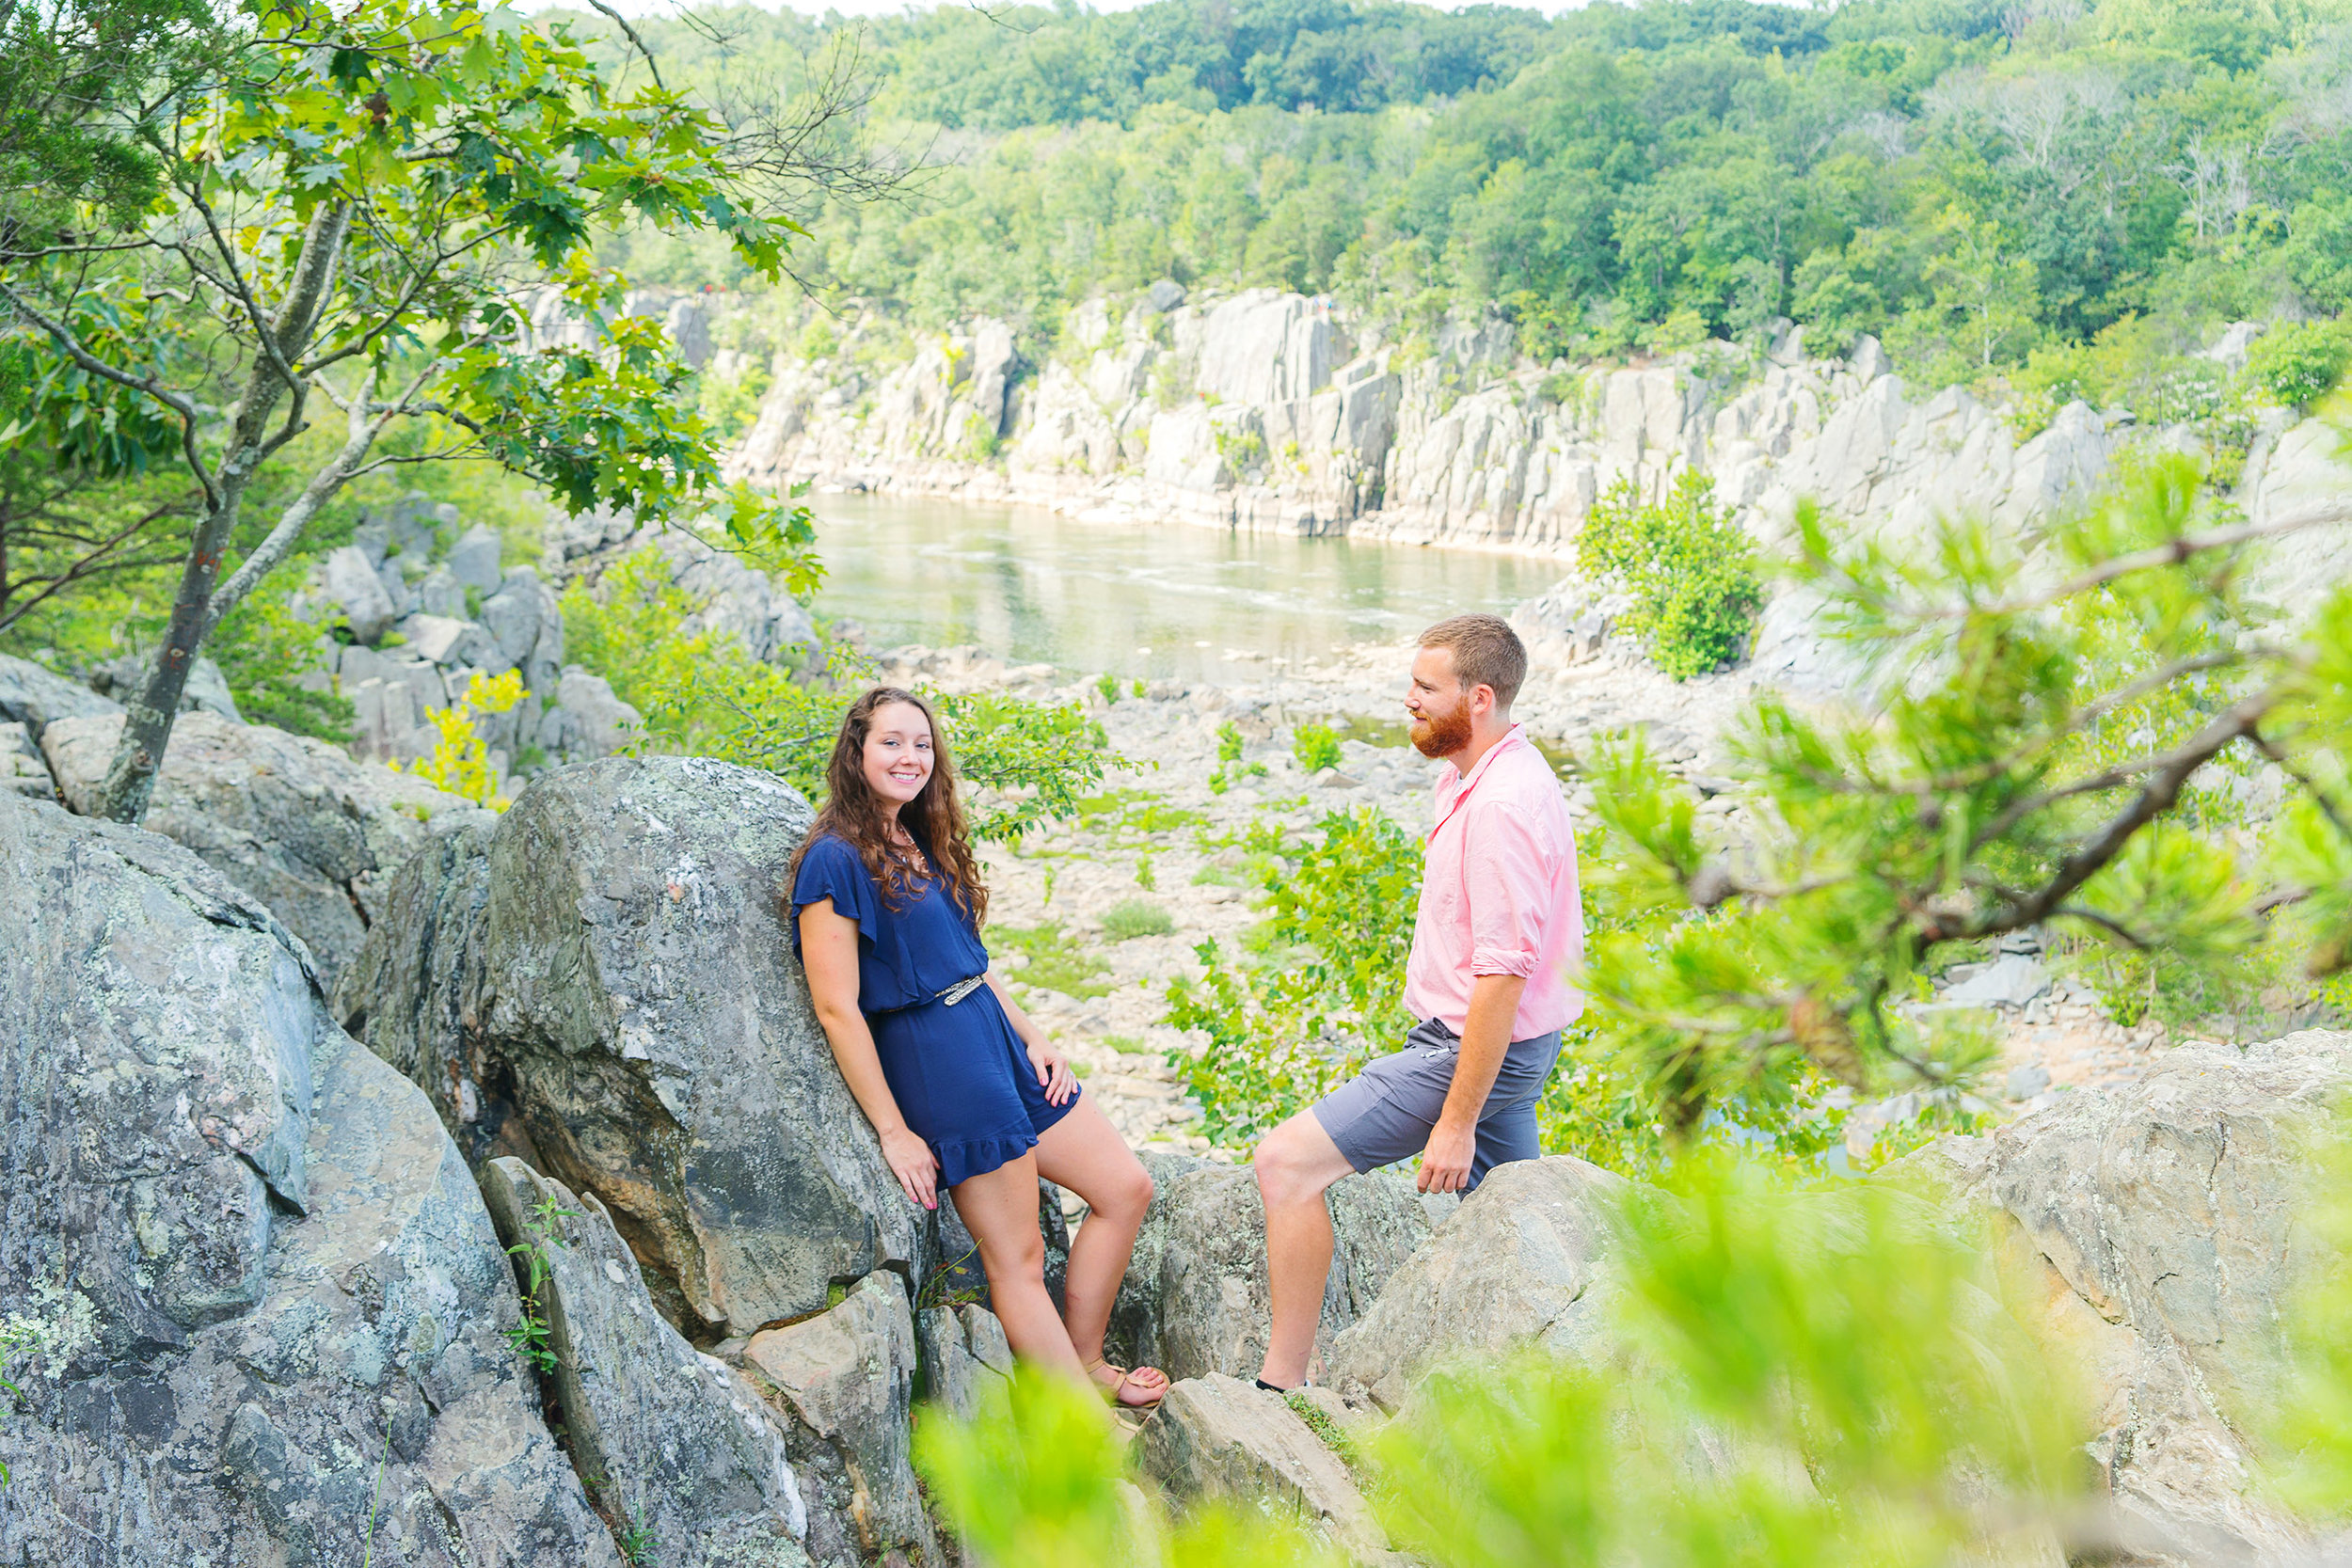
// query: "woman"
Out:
[965,1091]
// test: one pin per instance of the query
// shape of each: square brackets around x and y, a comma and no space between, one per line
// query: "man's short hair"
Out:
[1486,651]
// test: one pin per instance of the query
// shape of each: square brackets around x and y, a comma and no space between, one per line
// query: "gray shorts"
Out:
[1385,1113]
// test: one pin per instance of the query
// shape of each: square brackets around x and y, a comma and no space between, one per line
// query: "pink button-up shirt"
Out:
[1498,894]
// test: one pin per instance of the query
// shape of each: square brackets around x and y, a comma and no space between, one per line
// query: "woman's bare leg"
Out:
[1086,1154]
[999,1207]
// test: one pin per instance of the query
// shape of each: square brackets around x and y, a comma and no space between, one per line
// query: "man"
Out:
[1496,934]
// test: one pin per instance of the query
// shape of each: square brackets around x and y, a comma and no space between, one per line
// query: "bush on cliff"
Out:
[1688,568]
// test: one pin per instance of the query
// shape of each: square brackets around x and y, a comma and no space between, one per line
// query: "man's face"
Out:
[1439,706]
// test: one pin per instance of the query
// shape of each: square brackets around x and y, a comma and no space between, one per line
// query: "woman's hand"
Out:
[1053,1070]
[911,1161]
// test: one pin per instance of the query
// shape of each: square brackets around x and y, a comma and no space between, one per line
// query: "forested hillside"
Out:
[1973,182]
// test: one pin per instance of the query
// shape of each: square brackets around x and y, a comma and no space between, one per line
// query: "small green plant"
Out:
[1229,764]
[11,1342]
[1056,962]
[1131,918]
[1688,566]
[1319,1421]
[1140,689]
[1146,877]
[1127,1045]
[1107,683]
[1317,747]
[637,1542]
[542,1233]
[460,762]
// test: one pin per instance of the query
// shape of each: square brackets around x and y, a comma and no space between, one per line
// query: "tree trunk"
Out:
[147,723]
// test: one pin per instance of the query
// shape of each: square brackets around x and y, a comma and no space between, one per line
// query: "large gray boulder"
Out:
[963,1352]
[681,1444]
[845,1379]
[261,1305]
[32,696]
[23,770]
[1218,1438]
[611,985]
[1194,1300]
[2167,1208]
[351,584]
[1522,1261]
[524,627]
[291,821]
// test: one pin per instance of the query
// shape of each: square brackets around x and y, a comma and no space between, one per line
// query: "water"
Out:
[1160,601]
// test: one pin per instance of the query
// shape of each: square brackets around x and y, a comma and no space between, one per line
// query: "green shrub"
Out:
[2297,365]
[1107,683]
[1317,747]
[1340,916]
[1131,918]
[1688,568]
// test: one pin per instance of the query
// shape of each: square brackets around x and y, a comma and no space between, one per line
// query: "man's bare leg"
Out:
[1296,1163]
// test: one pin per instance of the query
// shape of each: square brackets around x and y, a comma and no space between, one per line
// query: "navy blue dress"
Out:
[961,1075]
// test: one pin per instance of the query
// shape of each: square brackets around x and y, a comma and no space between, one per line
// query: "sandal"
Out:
[1126,1379]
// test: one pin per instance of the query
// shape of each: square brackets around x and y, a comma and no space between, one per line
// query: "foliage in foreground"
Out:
[1792,1377]
[2056,738]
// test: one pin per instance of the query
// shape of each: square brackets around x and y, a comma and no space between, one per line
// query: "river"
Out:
[1154,600]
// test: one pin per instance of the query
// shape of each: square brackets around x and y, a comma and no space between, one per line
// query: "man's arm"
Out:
[1486,1035]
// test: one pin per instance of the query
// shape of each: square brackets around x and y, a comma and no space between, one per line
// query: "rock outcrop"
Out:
[1522,1261]
[1194,1301]
[682,1446]
[290,820]
[846,1377]
[2164,1216]
[1218,1438]
[257,1304]
[604,986]
[32,695]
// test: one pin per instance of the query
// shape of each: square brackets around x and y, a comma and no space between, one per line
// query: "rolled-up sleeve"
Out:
[1507,866]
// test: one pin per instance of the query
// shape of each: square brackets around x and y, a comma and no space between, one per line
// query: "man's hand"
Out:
[1445,1165]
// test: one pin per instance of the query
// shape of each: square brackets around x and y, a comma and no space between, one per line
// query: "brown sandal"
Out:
[1126,1377]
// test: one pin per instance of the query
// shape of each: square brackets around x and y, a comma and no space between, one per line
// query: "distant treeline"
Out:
[1972,180]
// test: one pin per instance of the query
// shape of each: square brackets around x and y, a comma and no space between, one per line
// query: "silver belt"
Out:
[963,989]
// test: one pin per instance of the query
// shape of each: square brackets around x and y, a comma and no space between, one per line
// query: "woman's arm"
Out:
[1051,1062]
[829,949]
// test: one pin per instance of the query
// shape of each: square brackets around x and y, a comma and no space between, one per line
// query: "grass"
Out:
[1127,1045]
[1321,1425]
[1056,962]
[1131,918]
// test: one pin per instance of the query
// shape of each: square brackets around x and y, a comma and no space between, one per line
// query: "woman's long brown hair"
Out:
[934,818]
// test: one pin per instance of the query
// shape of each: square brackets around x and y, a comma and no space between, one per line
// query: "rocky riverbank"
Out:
[258,1294]
[1269,411]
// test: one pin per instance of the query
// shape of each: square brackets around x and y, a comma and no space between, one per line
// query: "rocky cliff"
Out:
[1266,411]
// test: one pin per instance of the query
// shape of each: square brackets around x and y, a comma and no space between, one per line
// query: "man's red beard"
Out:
[1442,735]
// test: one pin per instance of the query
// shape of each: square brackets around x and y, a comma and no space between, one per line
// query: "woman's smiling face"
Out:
[898,752]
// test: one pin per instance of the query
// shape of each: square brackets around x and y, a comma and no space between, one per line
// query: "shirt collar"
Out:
[1459,788]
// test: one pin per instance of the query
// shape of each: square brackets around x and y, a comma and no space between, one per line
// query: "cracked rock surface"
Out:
[258,1302]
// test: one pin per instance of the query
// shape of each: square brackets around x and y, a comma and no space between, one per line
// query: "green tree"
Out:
[354,202]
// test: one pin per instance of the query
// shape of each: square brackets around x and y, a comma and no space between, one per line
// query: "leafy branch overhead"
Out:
[359,210]
[2060,734]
